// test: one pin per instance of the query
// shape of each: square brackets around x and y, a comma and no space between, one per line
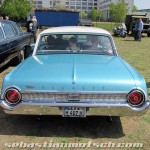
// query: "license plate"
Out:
[74,112]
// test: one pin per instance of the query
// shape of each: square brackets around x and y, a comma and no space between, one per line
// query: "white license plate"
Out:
[74,112]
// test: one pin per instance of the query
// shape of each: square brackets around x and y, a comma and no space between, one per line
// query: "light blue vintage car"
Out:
[74,72]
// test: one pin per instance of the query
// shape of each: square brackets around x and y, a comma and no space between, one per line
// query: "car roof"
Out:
[75,29]
[1,20]
[139,17]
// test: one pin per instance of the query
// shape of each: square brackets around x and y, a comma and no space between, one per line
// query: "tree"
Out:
[83,14]
[118,11]
[99,14]
[93,14]
[134,8]
[16,9]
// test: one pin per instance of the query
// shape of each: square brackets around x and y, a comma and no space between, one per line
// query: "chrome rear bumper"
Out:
[92,109]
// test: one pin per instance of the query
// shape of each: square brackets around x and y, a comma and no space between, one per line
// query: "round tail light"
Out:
[135,98]
[12,96]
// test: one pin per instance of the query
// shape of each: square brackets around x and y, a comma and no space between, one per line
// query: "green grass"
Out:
[109,26]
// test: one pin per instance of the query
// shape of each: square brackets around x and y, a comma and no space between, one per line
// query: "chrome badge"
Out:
[73,97]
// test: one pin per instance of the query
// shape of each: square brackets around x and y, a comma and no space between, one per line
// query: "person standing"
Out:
[136,29]
[140,28]
[32,26]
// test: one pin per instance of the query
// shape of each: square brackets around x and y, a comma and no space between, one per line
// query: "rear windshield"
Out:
[75,43]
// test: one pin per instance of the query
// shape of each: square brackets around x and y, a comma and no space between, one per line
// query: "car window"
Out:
[1,34]
[9,32]
[75,43]
[17,28]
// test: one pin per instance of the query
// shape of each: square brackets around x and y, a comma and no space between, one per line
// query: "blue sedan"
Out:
[74,72]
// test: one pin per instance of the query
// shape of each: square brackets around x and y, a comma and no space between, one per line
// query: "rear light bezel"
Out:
[12,102]
[140,102]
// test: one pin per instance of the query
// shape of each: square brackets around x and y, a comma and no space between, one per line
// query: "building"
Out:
[144,10]
[85,5]
[47,3]
[104,5]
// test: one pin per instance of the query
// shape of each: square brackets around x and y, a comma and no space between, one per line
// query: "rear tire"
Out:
[115,34]
[124,35]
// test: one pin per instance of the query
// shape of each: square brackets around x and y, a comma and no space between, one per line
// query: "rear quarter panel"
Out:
[139,80]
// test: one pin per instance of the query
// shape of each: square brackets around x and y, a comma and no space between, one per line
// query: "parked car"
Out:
[13,42]
[79,75]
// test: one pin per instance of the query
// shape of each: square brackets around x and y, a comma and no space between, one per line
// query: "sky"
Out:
[142,4]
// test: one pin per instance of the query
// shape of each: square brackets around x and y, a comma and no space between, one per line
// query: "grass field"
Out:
[109,26]
[94,129]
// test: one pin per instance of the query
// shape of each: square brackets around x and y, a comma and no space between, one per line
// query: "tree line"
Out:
[19,9]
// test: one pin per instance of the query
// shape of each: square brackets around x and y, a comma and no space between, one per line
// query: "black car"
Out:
[13,42]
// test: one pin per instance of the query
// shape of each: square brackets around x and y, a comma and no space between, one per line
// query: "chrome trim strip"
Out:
[2,27]
[64,92]
[81,92]
[5,62]
[74,73]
